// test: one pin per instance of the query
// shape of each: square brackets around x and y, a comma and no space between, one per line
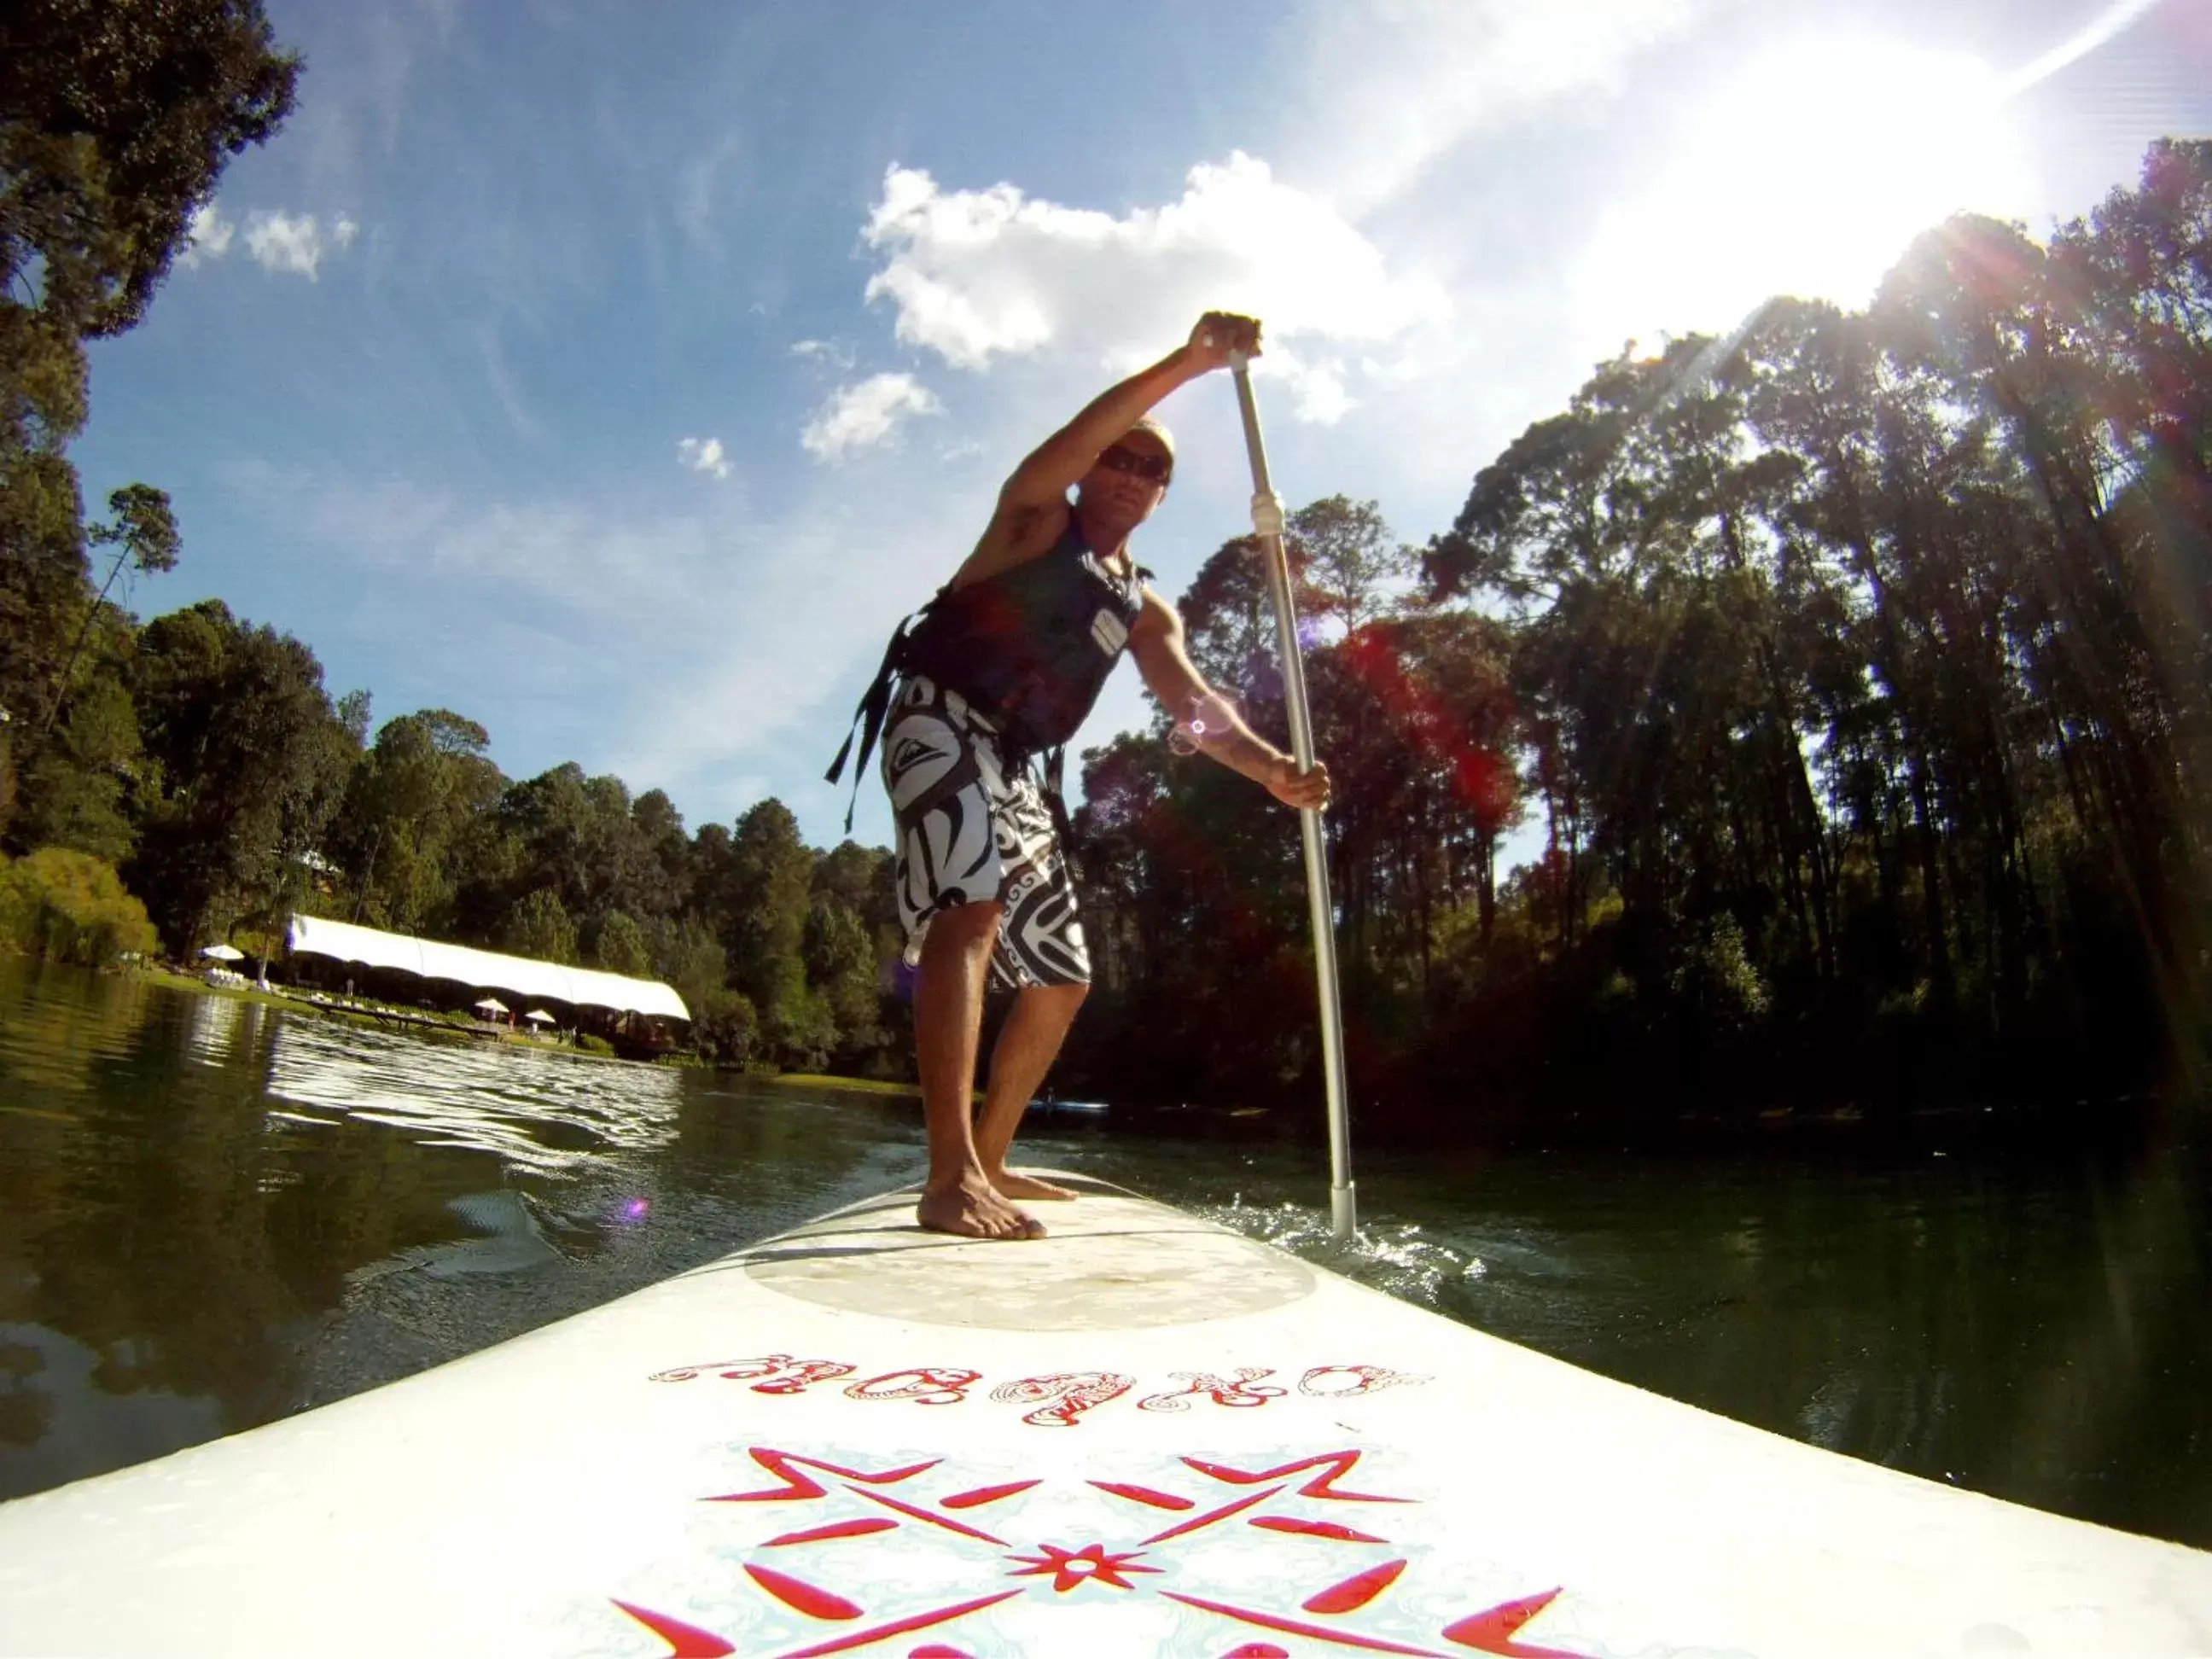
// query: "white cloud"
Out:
[1397,86]
[977,274]
[207,235]
[1319,390]
[295,243]
[866,414]
[703,455]
[832,352]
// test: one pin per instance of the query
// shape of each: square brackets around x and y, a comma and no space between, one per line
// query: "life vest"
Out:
[1028,649]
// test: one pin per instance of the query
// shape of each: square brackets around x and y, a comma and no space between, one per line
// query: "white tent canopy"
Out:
[527,980]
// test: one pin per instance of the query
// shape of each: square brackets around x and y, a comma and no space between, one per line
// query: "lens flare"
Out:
[1208,714]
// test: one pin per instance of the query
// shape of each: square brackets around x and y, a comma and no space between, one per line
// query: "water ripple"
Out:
[535,1110]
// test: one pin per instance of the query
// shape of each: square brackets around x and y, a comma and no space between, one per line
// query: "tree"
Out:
[1230,622]
[763,920]
[665,882]
[143,532]
[686,955]
[620,946]
[402,840]
[69,906]
[252,761]
[1352,568]
[538,926]
[117,119]
[42,569]
[81,789]
[577,836]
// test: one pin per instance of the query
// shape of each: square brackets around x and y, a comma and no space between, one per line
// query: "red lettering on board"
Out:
[1062,1398]
[803,1374]
[791,1375]
[735,1369]
[1343,1382]
[1243,1388]
[926,1385]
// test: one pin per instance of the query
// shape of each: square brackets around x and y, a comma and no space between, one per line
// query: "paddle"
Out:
[1267,525]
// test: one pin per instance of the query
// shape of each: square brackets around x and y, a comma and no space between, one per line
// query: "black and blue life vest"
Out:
[1029,650]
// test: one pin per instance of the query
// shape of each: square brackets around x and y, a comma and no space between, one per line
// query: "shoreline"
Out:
[417,1021]
[412,1020]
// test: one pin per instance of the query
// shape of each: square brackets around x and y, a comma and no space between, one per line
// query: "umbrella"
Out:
[492,1005]
[223,952]
[540,1017]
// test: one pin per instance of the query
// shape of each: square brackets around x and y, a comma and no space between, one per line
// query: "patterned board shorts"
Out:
[969,831]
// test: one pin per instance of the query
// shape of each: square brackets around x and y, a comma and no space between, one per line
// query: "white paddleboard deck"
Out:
[1145,1435]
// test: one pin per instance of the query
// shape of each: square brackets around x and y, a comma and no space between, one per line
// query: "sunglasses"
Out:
[1135,462]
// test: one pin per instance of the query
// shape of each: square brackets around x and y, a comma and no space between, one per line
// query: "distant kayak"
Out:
[1143,1435]
[1092,1106]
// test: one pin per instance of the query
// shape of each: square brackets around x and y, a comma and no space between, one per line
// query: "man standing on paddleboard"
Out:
[999,671]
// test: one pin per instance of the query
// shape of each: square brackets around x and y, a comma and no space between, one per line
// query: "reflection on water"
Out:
[213,1212]
[215,1026]
[536,1110]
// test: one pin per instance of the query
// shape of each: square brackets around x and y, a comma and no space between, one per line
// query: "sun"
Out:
[1806,169]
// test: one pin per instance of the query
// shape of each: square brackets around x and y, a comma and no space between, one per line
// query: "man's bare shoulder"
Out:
[1159,623]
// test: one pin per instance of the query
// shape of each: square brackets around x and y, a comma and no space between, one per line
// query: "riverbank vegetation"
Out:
[69,906]
[1854,670]
[1851,671]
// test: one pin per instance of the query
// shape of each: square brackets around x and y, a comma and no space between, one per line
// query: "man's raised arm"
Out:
[1026,520]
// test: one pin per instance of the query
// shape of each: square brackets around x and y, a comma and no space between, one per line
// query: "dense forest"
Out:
[1853,668]
[1856,669]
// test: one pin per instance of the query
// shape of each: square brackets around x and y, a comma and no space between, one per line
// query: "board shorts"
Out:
[969,831]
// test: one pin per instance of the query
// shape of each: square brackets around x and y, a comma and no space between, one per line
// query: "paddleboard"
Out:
[1145,1435]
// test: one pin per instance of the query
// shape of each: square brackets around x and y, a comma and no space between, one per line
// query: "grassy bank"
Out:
[861,1086]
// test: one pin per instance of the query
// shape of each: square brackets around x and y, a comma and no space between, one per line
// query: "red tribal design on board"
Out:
[1184,1538]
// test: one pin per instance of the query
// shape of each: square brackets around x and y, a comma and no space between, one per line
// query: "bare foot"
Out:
[1010,1184]
[972,1209]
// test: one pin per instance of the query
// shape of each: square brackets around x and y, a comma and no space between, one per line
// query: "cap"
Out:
[1153,428]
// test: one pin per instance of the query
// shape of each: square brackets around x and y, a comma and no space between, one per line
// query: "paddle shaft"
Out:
[1267,523]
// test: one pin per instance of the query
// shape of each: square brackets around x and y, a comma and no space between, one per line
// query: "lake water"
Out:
[213,1213]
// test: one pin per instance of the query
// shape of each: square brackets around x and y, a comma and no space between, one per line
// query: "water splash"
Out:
[1394,1257]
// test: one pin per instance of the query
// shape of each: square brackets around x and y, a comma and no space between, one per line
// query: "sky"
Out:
[621,384]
